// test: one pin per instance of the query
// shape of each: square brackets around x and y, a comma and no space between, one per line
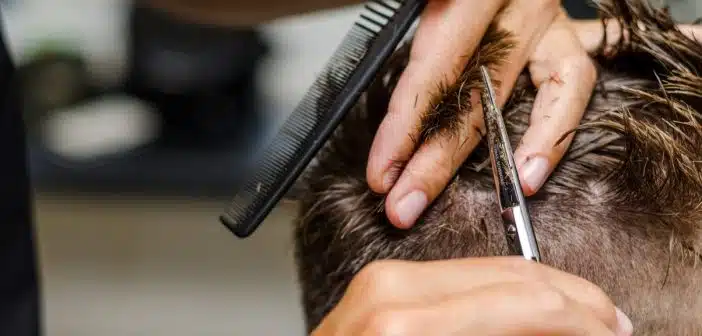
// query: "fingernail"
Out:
[410,207]
[624,325]
[534,172]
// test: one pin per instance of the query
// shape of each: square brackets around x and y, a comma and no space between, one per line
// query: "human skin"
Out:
[472,297]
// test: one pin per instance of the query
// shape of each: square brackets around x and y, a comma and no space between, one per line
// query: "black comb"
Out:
[371,40]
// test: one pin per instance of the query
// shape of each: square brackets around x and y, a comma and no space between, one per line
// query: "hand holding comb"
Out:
[369,43]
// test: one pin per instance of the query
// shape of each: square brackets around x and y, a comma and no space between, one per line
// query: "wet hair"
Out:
[623,208]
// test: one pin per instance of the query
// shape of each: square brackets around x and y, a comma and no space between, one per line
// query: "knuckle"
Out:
[550,301]
[437,161]
[378,279]
[440,168]
[579,65]
[395,105]
[527,269]
[432,175]
[598,297]
[387,322]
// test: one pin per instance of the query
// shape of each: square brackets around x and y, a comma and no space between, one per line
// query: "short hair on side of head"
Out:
[623,209]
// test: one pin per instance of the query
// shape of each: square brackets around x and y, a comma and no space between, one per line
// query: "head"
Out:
[623,209]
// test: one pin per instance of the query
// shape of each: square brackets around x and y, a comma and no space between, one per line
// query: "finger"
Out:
[692,31]
[448,32]
[436,160]
[508,309]
[591,32]
[396,282]
[565,77]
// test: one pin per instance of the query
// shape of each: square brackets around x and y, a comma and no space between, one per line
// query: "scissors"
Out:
[514,212]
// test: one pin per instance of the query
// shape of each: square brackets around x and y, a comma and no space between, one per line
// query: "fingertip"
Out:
[374,178]
[392,215]
[624,325]
[421,181]
[692,31]
[527,190]
[379,171]
[382,177]
[404,211]
[533,173]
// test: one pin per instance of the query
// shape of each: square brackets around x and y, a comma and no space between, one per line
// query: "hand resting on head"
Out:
[480,296]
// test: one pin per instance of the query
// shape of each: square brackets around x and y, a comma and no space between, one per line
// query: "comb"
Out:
[364,49]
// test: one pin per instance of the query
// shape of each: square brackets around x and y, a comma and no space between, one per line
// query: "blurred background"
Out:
[139,123]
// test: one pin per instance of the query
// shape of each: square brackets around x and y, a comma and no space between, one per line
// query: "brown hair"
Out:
[623,209]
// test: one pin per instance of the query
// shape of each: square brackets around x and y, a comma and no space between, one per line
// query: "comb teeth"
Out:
[366,46]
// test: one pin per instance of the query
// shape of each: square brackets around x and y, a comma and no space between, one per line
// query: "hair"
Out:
[623,209]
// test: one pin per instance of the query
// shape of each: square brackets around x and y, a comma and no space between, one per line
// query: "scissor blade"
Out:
[518,229]
[505,172]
